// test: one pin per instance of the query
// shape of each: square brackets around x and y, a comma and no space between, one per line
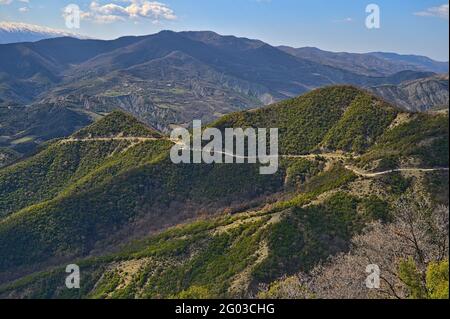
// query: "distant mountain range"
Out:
[371,64]
[52,87]
[14,32]
[209,70]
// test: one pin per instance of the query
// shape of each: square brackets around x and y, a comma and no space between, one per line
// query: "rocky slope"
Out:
[418,95]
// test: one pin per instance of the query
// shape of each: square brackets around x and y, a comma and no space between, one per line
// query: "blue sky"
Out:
[407,26]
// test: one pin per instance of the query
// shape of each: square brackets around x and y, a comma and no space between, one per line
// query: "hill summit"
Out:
[117,123]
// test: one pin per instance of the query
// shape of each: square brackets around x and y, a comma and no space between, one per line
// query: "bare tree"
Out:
[418,232]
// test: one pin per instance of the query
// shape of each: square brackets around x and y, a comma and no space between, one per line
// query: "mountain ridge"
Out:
[371,63]
[165,79]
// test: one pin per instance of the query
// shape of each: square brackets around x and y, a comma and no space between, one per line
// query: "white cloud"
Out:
[131,9]
[24,9]
[440,12]
[345,20]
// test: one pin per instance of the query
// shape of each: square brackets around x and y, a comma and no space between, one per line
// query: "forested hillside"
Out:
[109,199]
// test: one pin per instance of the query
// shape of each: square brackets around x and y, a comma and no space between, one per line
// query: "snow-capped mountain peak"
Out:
[12,32]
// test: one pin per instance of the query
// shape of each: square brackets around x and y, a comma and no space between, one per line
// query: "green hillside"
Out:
[337,117]
[365,119]
[423,137]
[74,194]
[158,229]
[218,257]
[117,123]
[61,164]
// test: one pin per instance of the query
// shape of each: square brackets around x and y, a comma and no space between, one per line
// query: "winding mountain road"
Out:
[331,156]
[366,174]
[107,139]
